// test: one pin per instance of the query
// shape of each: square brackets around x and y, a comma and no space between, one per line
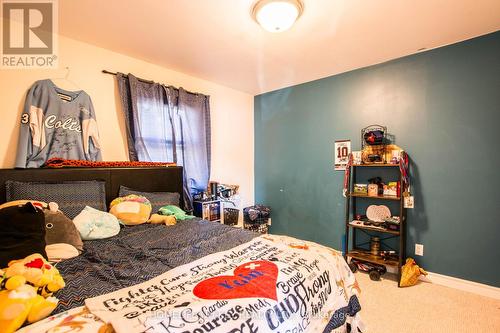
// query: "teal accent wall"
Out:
[443,106]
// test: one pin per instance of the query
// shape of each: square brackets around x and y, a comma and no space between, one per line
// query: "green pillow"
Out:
[176,211]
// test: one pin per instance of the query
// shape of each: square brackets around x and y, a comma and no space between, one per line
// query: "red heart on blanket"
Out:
[252,279]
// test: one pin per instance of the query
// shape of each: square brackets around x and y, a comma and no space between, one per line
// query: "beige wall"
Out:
[231,110]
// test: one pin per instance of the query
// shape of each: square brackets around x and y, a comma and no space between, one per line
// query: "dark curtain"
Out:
[166,124]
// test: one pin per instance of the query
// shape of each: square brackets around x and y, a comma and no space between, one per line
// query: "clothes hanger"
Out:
[66,79]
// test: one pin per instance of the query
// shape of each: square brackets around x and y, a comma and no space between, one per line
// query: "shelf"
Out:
[376,165]
[382,197]
[365,227]
[367,256]
[358,237]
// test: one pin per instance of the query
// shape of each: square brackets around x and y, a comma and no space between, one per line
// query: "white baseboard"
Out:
[392,270]
[456,283]
[460,284]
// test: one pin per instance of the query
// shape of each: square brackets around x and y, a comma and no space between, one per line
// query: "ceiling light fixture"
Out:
[277,15]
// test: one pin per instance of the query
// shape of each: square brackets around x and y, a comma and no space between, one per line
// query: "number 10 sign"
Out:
[341,153]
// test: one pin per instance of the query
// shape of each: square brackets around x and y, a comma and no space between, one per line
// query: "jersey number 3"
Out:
[25,118]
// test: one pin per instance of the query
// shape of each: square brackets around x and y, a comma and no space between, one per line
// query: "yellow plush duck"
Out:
[25,293]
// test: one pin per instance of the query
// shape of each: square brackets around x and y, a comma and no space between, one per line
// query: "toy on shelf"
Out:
[373,143]
[375,271]
[376,146]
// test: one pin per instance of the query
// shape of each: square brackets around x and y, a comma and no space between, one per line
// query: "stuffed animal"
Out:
[38,272]
[23,304]
[62,240]
[95,224]
[26,289]
[159,219]
[22,232]
[175,211]
[131,209]
[52,206]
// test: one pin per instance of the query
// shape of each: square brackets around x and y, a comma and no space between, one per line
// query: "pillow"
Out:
[72,196]
[131,209]
[60,229]
[22,232]
[95,224]
[157,199]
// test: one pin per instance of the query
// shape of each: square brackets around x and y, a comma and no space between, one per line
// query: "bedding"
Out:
[263,285]
[75,320]
[157,199]
[185,255]
[131,209]
[71,196]
[95,224]
[267,284]
[139,253]
[127,267]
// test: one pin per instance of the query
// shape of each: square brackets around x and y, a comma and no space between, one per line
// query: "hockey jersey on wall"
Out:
[56,123]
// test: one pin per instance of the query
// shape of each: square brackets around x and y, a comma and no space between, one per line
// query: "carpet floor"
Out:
[424,308]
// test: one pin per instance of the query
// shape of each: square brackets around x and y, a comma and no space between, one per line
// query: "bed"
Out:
[196,276]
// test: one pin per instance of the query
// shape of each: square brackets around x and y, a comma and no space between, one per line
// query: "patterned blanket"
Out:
[139,253]
[269,284]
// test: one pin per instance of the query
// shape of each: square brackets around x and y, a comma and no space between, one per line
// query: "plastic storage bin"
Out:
[256,218]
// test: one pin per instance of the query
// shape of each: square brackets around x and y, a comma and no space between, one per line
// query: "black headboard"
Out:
[150,179]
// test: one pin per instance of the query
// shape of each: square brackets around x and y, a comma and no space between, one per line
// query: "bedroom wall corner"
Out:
[443,106]
[231,110]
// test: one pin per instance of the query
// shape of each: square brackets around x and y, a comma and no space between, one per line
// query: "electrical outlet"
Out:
[269,221]
[419,249]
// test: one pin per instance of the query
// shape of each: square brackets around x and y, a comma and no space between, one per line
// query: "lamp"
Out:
[277,15]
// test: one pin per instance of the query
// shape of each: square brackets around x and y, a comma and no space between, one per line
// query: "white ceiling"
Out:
[217,40]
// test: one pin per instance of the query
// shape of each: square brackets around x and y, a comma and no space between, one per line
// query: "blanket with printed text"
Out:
[269,284]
